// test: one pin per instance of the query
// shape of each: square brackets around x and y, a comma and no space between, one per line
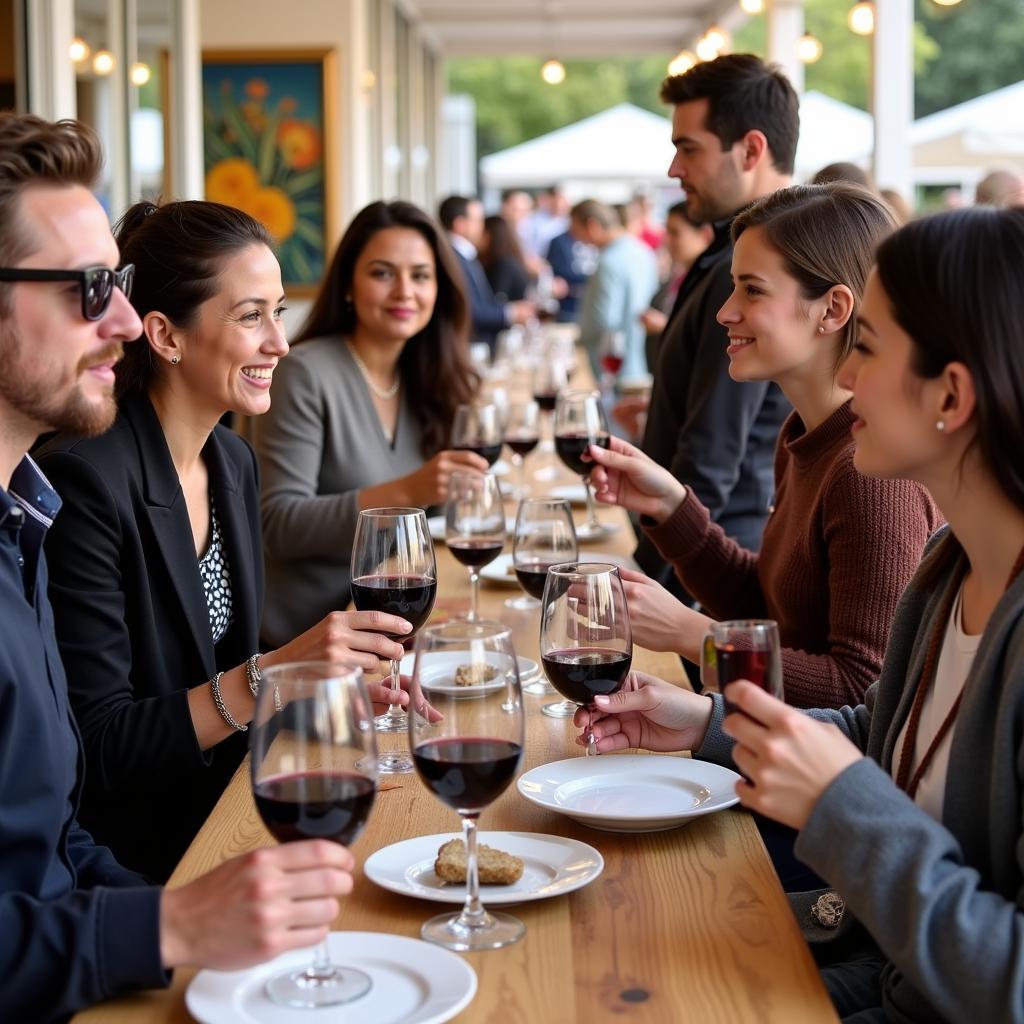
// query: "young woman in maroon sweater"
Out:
[839,547]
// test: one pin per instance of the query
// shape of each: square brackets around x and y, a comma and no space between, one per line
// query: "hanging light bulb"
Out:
[946,3]
[79,50]
[752,6]
[719,38]
[861,18]
[103,62]
[682,62]
[140,73]
[553,72]
[809,48]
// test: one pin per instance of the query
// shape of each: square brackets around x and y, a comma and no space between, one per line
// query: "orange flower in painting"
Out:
[254,115]
[232,182]
[299,142]
[288,105]
[257,89]
[274,210]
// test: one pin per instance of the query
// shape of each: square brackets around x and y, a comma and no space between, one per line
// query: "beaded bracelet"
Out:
[218,700]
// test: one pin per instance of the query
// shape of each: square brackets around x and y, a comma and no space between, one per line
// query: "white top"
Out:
[955,660]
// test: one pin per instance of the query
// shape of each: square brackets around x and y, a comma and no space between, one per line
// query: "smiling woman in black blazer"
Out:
[156,573]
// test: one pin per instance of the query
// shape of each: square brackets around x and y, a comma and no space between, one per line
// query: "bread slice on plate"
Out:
[495,867]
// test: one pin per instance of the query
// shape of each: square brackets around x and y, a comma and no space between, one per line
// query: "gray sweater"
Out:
[945,902]
[318,446]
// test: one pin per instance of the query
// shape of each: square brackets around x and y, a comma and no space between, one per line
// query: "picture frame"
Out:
[268,149]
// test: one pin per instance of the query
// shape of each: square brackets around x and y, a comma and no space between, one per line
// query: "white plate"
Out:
[631,792]
[435,525]
[441,671]
[498,571]
[575,494]
[501,468]
[414,982]
[552,866]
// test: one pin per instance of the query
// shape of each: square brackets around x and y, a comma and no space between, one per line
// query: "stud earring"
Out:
[175,360]
[821,330]
[940,426]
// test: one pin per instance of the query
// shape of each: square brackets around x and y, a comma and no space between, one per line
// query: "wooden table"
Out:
[685,925]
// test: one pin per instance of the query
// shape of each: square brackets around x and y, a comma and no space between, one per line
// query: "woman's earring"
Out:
[821,329]
[940,426]
[175,360]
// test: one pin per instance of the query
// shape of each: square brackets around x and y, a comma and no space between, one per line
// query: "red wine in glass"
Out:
[611,363]
[546,400]
[315,805]
[411,597]
[742,663]
[532,576]
[490,452]
[582,673]
[522,445]
[571,448]
[467,773]
[476,552]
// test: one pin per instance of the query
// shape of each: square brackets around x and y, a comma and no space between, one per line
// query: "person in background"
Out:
[620,288]
[75,926]
[908,804]
[641,207]
[502,260]
[901,209]
[844,171]
[363,408]
[1000,188]
[572,261]
[463,219]
[550,218]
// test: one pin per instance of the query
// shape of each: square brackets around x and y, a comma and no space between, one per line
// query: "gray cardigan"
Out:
[945,902]
[318,446]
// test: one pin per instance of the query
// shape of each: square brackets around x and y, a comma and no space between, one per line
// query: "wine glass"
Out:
[545,536]
[612,349]
[466,735]
[393,570]
[580,422]
[586,644]
[549,379]
[474,526]
[742,649]
[522,435]
[478,429]
[313,764]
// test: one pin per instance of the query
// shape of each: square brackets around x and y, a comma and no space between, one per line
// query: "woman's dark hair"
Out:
[178,250]
[826,235]
[502,242]
[434,365]
[953,284]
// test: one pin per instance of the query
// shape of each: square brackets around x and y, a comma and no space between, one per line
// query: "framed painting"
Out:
[267,122]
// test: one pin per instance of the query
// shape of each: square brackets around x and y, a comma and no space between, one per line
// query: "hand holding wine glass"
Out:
[474,526]
[314,776]
[586,644]
[478,428]
[466,735]
[579,423]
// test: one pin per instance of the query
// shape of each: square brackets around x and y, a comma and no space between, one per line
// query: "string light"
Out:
[714,42]
[946,3]
[140,73]
[79,50]
[553,72]
[682,62]
[103,62]
[752,6]
[861,18]
[809,48]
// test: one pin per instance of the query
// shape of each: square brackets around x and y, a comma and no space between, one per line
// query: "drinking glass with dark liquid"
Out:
[522,434]
[580,422]
[549,380]
[742,649]
[478,428]
[545,536]
[474,526]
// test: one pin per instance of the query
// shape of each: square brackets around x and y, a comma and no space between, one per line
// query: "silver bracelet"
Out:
[252,673]
[218,700]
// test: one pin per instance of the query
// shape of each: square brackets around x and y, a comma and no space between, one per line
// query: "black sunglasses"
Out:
[97,284]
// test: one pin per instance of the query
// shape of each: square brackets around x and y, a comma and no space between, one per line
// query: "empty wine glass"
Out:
[521,435]
[313,765]
[394,571]
[545,536]
[586,643]
[478,428]
[466,735]
[580,422]
[474,526]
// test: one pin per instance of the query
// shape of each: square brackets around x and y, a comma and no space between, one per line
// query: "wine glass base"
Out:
[309,988]
[595,531]
[522,604]
[546,473]
[559,709]
[394,764]
[494,931]
[539,688]
[392,721]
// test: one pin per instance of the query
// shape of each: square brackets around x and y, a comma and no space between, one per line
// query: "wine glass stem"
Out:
[592,519]
[321,967]
[473,911]
[474,599]
[520,461]
[396,687]
[591,741]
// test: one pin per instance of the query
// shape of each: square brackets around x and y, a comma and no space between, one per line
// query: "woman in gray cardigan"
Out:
[362,409]
[910,805]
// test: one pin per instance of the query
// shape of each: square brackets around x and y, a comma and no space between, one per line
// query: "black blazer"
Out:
[134,630]
[487,313]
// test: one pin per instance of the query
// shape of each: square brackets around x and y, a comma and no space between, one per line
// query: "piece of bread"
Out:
[474,675]
[495,867]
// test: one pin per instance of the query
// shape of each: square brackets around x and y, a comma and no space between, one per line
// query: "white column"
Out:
[892,94]
[49,77]
[785,27]
[185,116]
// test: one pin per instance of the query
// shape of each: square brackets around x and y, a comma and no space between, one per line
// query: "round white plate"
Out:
[414,982]
[500,571]
[552,866]
[575,494]
[631,792]
[439,674]
[435,526]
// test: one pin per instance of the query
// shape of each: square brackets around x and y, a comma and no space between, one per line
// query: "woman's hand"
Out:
[659,621]
[790,759]
[428,485]
[352,638]
[625,476]
[647,712]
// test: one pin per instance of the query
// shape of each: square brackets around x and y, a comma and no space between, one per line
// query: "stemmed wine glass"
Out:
[522,435]
[474,526]
[549,380]
[313,762]
[466,735]
[586,644]
[613,353]
[580,422]
[478,428]
[394,571]
[545,536]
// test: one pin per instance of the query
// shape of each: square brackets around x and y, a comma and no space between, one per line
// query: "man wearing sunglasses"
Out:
[76,927]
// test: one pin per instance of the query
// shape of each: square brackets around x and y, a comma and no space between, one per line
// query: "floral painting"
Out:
[264,125]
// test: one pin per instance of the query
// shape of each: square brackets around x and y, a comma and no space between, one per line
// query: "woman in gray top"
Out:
[910,804]
[363,407]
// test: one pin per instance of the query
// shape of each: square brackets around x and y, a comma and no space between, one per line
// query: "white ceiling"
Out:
[569,28]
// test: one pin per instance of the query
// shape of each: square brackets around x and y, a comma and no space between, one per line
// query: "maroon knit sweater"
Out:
[837,552]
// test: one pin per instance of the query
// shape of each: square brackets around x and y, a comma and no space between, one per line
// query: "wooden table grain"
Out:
[685,925]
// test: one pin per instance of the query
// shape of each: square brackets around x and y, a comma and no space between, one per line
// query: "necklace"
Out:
[384,394]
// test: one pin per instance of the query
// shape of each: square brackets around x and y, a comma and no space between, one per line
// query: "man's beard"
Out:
[46,401]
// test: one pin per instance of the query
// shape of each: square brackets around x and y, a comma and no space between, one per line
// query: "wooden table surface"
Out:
[685,925]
